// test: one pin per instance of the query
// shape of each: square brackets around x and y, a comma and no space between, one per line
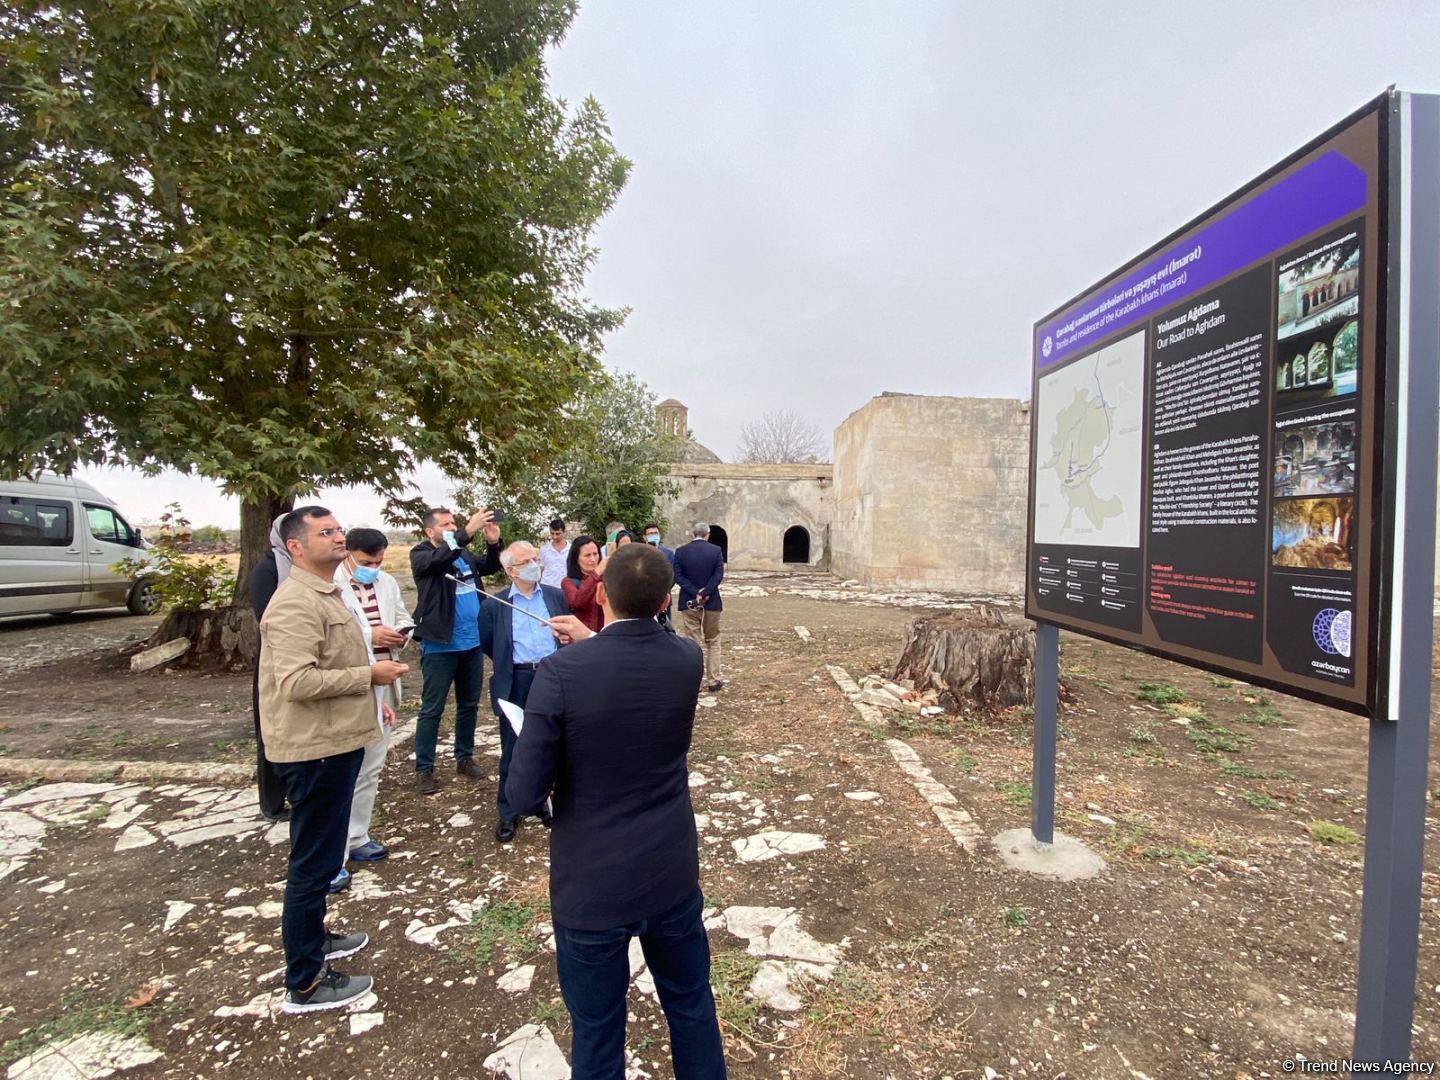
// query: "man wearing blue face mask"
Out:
[516,640]
[447,624]
[374,594]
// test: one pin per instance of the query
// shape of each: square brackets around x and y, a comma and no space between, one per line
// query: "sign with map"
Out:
[1206,434]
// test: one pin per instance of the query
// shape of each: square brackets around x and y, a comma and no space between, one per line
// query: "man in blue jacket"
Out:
[447,625]
[699,569]
[607,729]
[516,641]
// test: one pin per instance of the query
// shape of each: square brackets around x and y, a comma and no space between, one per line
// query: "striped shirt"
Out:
[371,605]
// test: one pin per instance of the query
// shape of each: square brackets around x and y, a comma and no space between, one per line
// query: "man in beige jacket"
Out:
[317,715]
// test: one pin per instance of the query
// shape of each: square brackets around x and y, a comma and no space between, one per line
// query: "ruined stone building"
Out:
[923,493]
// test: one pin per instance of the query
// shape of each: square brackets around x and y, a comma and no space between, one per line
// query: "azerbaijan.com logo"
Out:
[1332,632]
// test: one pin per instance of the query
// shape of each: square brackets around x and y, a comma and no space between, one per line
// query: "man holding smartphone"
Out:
[374,596]
[447,622]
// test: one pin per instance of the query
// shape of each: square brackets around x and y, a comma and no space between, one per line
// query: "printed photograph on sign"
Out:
[1088,482]
[1313,534]
[1315,459]
[1320,286]
[1320,364]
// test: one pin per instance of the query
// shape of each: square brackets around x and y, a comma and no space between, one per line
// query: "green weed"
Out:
[1328,832]
[1017,795]
[1160,693]
[1260,801]
[505,924]
[1015,918]
[961,760]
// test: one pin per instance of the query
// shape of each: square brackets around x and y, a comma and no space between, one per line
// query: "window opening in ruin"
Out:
[720,539]
[797,545]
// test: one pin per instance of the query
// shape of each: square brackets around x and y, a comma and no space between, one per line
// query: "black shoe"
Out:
[426,782]
[331,990]
[546,818]
[716,686]
[282,815]
[505,829]
[340,945]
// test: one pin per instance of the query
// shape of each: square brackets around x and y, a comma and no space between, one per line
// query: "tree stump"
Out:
[985,656]
[221,638]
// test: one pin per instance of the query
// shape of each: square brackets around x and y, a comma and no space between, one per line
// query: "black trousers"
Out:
[320,792]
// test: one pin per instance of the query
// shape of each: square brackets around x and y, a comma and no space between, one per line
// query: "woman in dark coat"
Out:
[265,578]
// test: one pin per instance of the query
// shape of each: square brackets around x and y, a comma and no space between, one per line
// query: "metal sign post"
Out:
[1047,710]
[1400,739]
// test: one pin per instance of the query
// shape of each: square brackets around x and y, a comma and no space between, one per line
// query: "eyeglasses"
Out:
[334,530]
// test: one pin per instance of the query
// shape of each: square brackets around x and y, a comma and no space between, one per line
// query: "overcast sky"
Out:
[834,199]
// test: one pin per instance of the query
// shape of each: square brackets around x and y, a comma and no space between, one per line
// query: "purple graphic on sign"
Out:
[1311,198]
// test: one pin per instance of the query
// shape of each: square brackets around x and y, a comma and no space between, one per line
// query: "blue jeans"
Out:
[594,972]
[466,671]
[319,792]
[520,683]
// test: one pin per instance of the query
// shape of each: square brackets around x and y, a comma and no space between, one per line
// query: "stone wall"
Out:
[755,505]
[930,492]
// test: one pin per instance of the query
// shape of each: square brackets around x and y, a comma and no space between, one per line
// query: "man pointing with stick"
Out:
[515,634]
[608,726]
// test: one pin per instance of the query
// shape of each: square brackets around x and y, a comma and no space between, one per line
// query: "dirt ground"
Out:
[1220,940]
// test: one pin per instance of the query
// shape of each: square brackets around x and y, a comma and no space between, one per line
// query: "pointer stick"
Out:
[490,596]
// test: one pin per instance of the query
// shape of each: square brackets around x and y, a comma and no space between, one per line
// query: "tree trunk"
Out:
[227,639]
[256,517]
[983,656]
[224,639]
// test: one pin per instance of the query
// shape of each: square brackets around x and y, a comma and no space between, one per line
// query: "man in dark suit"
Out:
[607,729]
[699,569]
[516,641]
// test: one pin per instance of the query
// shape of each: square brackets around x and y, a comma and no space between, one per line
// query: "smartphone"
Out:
[496,515]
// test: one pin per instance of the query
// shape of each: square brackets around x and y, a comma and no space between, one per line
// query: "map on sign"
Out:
[1088,427]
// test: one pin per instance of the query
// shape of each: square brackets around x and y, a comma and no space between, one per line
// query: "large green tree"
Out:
[287,243]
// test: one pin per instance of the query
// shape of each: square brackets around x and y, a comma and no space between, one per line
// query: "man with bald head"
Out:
[516,640]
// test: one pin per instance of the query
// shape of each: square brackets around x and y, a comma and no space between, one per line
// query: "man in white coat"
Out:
[374,596]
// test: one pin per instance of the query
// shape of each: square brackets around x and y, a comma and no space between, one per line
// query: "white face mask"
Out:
[449,537]
[529,573]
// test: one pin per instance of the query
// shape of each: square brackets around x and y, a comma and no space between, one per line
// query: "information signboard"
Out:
[1207,434]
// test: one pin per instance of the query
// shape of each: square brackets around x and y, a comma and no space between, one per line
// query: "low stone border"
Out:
[190,772]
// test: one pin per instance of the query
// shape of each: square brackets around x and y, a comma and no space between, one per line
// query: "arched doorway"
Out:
[720,539]
[796,547]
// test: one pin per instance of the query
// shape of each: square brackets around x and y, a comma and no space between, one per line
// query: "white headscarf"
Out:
[283,563]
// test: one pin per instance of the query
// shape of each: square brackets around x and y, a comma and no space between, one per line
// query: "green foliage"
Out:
[209,534]
[505,924]
[181,582]
[1264,715]
[1212,738]
[1188,854]
[1160,693]
[1260,801]
[614,468]
[1017,795]
[731,971]
[1015,918]
[82,1012]
[285,245]
[961,760]
[1328,832]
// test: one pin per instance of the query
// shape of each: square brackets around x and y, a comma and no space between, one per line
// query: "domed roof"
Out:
[693,453]
[670,402]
